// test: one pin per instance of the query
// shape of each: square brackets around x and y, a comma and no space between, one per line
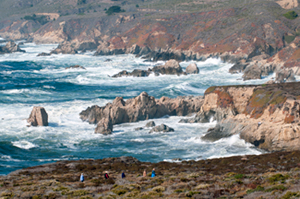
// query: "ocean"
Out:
[27,80]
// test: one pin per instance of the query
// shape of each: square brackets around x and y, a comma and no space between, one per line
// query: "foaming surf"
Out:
[27,80]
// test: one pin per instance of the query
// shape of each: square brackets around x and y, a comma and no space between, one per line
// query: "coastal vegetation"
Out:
[291,15]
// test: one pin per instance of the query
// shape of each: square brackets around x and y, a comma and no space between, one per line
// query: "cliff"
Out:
[274,175]
[253,34]
[264,115]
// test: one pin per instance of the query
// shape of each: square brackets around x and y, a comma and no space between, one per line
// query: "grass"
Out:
[291,15]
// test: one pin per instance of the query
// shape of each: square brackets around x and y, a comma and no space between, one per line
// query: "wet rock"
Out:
[108,60]
[142,107]
[76,67]
[134,73]
[43,54]
[171,67]
[138,128]
[161,128]
[10,47]
[65,48]
[150,124]
[238,68]
[192,69]
[104,126]
[38,117]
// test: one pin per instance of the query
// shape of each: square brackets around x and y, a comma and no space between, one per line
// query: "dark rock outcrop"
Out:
[142,107]
[75,67]
[150,124]
[134,73]
[44,54]
[10,47]
[38,117]
[161,128]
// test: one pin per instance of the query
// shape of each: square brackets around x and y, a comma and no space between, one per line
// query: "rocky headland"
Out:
[10,47]
[274,175]
[265,115]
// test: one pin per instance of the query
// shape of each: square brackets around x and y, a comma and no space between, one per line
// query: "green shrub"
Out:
[277,187]
[258,188]
[39,19]
[290,194]
[291,15]
[239,176]
[80,2]
[278,177]
[114,9]
[289,38]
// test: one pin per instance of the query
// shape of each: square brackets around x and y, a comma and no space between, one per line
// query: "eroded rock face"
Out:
[142,107]
[104,126]
[266,116]
[38,117]
[285,76]
[10,47]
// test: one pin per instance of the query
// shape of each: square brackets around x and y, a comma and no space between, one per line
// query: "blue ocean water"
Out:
[27,80]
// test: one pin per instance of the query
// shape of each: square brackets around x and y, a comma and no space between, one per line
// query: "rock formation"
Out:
[192,69]
[267,116]
[10,47]
[104,126]
[161,128]
[38,117]
[142,107]
[75,67]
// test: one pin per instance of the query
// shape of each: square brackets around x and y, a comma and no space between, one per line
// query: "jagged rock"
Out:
[84,46]
[38,117]
[192,69]
[161,128]
[10,47]
[65,48]
[104,127]
[171,67]
[285,76]
[238,68]
[76,67]
[108,60]
[138,128]
[142,107]
[43,54]
[252,72]
[134,73]
[150,124]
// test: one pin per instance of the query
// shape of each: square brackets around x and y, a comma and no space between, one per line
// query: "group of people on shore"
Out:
[106,176]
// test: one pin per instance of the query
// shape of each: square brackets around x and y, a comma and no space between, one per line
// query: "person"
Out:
[123,175]
[106,175]
[81,178]
[153,173]
[145,173]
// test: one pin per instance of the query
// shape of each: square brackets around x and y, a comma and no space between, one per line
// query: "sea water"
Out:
[27,80]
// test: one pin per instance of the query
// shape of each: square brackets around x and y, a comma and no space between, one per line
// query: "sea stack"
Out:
[38,117]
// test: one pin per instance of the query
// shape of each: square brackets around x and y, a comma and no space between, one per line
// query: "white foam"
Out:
[24,144]
[141,140]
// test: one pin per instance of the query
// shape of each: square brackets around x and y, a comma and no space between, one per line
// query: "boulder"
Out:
[134,73]
[238,68]
[161,128]
[192,69]
[75,67]
[171,67]
[38,117]
[150,124]
[44,54]
[65,48]
[104,126]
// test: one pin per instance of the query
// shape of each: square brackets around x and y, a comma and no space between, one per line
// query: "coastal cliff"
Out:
[266,115]
[255,36]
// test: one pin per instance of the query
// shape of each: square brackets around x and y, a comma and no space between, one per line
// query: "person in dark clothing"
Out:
[123,175]
[106,175]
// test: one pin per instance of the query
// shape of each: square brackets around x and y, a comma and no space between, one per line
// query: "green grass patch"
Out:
[278,177]
[114,9]
[239,176]
[290,194]
[289,38]
[258,188]
[277,187]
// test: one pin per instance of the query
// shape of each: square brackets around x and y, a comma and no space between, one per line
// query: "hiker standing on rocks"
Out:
[145,173]
[123,175]
[81,178]
[153,173]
